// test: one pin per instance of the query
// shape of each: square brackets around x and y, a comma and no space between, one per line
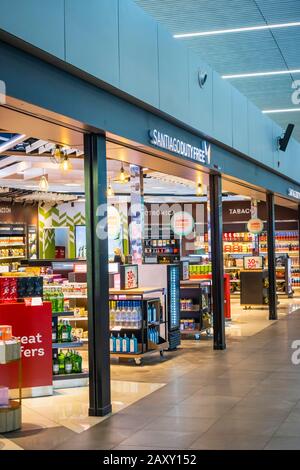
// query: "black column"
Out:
[271,257]
[215,190]
[97,274]
[299,235]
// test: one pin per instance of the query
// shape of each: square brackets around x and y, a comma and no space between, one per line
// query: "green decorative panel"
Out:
[65,215]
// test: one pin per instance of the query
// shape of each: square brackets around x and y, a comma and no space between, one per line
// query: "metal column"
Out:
[215,191]
[97,274]
[271,256]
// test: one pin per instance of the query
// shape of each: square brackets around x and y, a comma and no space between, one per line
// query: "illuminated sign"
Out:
[164,141]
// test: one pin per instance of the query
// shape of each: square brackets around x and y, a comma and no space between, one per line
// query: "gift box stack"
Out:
[10,348]
[18,288]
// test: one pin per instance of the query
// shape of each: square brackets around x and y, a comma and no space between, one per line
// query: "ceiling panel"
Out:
[245,52]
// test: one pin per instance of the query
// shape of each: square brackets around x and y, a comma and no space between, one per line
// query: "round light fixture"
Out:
[110,191]
[43,184]
[199,190]
[65,164]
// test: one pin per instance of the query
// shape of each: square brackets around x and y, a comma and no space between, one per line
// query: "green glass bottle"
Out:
[68,363]
[64,332]
[55,364]
[77,363]
[61,362]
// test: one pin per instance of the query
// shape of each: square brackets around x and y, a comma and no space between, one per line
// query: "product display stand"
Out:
[254,287]
[11,415]
[145,345]
[199,312]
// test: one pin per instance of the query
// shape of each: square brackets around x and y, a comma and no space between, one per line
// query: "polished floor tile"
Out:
[246,397]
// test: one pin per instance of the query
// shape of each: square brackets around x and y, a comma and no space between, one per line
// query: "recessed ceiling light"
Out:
[261,74]
[72,184]
[286,110]
[236,30]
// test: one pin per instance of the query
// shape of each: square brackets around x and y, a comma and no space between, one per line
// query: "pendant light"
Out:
[122,177]
[65,164]
[110,191]
[43,184]
[199,189]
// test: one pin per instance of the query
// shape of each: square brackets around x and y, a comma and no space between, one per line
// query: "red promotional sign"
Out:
[33,326]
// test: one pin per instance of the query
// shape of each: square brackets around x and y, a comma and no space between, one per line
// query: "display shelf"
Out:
[12,257]
[67,313]
[139,291]
[77,318]
[75,296]
[82,375]
[11,245]
[72,344]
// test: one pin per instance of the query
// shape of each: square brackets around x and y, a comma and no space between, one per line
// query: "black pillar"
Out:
[271,256]
[299,235]
[97,274]
[215,190]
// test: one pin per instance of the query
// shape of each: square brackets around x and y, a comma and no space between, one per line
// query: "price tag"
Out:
[116,328]
[36,301]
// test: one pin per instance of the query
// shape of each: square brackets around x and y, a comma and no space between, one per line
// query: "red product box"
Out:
[8,289]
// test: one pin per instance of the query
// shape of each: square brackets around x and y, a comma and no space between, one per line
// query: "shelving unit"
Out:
[254,287]
[199,292]
[147,304]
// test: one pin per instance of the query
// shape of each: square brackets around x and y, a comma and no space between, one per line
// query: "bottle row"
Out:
[56,296]
[61,332]
[125,314]
[123,344]
[69,363]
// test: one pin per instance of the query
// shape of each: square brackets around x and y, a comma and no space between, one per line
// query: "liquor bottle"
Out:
[112,314]
[69,329]
[55,364]
[64,332]
[119,343]
[125,344]
[112,343]
[118,315]
[61,362]
[77,363]
[68,363]
[59,331]
[133,344]
[134,315]
[61,301]
[54,332]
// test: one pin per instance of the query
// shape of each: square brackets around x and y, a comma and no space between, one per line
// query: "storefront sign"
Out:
[255,226]
[32,325]
[172,144]
[182,223]
[293,193]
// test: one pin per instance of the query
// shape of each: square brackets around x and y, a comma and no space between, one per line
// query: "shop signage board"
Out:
[200,154]
[33,325]
[293,193]
[255,226]
[253,262]
[129,276]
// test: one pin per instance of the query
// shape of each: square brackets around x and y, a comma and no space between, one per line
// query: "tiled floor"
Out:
[247,397]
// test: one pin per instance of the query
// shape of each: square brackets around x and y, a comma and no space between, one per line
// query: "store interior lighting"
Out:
[43,184]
